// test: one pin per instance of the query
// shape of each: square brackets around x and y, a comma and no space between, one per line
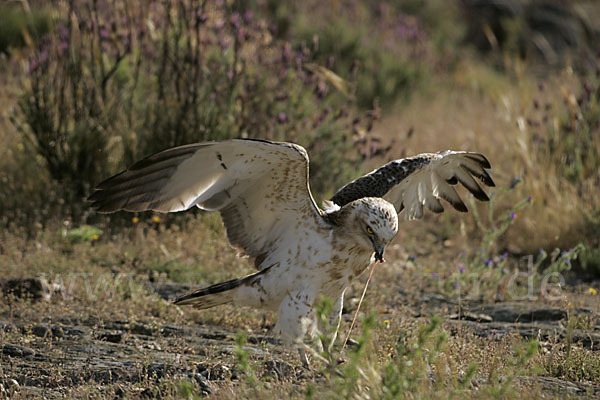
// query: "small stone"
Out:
[119,391]
[42,330]
[12,350]
[113,337]
[471,316]
[33,288]
[12,382]
[206,386]
[281,369]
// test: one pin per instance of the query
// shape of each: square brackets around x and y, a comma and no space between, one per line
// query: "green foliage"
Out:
[417,366]
[379,75]
[85,233]
[323,310]
[566,132]
[352,378]
[482,271]
[518,365]
[576,365]
[407,372]
[485,274]
[20,24]
[70,107]
[495,225]
[380,49]
[243,360]
[589,259]
[572,139]
[100,96]
[550,32]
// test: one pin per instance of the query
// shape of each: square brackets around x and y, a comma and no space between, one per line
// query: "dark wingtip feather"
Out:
[460,207]
[480,173]
[189,296]
[95,197]
[97,200]
[105,209]
[109,182]
[486,179]
[437,210]
[455,201]
[480,159]
[480,195]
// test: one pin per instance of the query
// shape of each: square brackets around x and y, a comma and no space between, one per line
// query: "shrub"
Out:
[21,24]
[383,49]
[553,32]
[564,139]
[113,84]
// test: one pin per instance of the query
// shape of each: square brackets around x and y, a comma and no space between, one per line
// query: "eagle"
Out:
[302,252]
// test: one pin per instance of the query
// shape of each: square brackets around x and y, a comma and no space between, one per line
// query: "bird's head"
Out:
[374,223]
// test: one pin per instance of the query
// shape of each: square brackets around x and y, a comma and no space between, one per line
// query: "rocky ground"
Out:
[55,355]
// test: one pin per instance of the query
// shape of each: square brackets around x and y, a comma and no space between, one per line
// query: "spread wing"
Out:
[422,180]
[259,187]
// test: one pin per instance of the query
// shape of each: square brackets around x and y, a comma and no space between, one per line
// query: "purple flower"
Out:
[433,275]
[103,33]
[513,216]
[462,268]
[282,117]
[505,255]
[529,199]
[568,262]
[33,64]
[515,181]
[43,56]
[236,20]
[248,15]
[456,285]
[241,34]
[63,32]
[489,262]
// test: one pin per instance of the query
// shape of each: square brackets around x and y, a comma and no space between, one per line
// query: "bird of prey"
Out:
[302,252]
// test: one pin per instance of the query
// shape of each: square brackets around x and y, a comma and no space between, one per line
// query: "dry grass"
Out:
[107,278]
[481,110]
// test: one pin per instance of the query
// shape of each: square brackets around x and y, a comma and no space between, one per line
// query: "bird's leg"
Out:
[335,319]
[297,320]
[304,357]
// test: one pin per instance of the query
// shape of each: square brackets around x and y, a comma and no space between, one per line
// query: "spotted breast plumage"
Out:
[302,252]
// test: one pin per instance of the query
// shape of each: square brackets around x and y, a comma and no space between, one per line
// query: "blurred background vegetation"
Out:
[89,86]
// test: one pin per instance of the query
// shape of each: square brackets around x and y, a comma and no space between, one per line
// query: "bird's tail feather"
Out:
[217,294]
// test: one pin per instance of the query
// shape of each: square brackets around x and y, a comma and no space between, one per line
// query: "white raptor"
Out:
[301,252]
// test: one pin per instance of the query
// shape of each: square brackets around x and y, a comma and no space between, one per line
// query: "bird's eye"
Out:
[369,230]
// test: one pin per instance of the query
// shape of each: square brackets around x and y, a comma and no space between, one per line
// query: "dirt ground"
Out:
[54,356]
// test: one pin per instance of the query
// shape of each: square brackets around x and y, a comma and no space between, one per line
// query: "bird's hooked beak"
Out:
[379,252]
